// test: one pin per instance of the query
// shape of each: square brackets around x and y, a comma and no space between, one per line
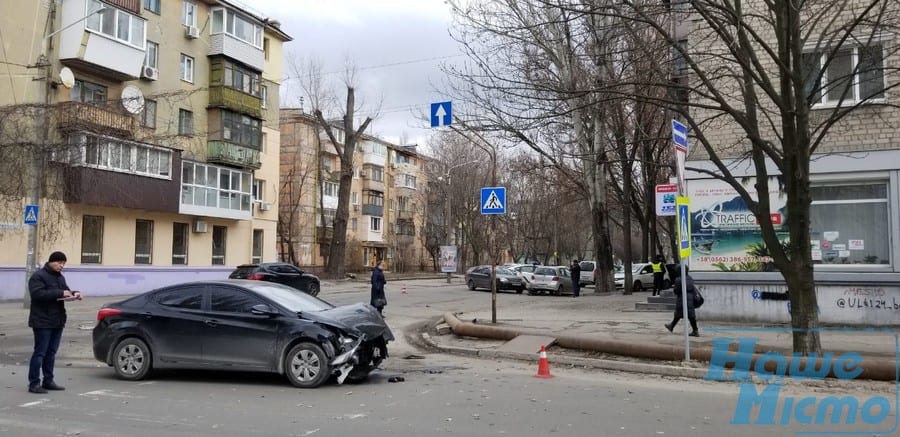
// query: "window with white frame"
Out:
[327,215]
[374,198]
[187,68]
[115,154]
[353,224]
[852,74]
[402,159]
[152,6]
[850,223]
[354,198]
[264,95]
[329,189]
[258,189]
[242,79]
[215,187]
[148,114]
[115,23]
[151,58]
[92,239]
[257,255]
[375,224]
[408,180]
[189,14]
[238,26]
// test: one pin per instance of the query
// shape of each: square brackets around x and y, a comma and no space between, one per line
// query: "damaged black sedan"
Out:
[244,326]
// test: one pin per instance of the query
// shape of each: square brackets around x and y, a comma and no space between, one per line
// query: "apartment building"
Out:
[387,204]
[854,182]
[158,150]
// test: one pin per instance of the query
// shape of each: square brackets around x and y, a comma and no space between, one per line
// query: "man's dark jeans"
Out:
[46,343]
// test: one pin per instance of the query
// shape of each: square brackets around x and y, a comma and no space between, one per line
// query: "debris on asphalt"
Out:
[396,379]
[414,357]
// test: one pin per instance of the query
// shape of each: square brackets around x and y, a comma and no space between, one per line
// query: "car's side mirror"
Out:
[263,310]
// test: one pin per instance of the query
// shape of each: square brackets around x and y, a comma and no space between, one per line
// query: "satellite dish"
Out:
[133,99]
[67,77]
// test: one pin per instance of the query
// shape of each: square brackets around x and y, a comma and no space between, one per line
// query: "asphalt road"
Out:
[441,394]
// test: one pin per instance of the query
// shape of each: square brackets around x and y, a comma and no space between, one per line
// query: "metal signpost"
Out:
[493,202]
[683,219]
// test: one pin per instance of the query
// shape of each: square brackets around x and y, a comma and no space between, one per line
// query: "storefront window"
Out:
[849,224]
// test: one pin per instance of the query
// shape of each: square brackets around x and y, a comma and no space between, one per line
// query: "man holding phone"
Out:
[49,291]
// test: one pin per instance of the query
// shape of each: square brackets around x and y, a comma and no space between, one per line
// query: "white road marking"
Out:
[109,393]
[31,404]
[311,432]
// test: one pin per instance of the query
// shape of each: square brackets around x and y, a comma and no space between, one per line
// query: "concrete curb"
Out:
[871,367]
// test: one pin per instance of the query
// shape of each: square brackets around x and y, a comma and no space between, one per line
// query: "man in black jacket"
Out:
[576,278]
[47,288]
[679,311]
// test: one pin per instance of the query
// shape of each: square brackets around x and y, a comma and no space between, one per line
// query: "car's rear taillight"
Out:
[256,276]
[107,312]
[555,278]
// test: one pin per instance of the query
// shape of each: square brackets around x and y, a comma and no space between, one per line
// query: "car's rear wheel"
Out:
[471,285]
[132,359]
[313,289]
[306,365]
[637,285]
[558,291]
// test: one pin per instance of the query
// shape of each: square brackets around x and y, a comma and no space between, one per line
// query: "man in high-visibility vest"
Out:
[658,274]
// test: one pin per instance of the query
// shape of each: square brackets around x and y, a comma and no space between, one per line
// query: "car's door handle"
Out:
[211,322]
[147,314]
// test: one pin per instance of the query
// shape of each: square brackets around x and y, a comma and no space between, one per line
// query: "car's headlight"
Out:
[504,280]
[345,340]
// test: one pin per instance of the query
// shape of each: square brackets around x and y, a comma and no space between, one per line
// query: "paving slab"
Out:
[527,344]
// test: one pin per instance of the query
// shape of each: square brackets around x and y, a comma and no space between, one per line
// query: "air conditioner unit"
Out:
[149,73]
[192,32]
[200,227]
[265,206]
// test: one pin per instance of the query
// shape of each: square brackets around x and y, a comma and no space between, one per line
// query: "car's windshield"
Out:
[505,271]
[290,298]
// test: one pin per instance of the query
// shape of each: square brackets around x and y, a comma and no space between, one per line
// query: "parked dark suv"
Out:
[282,273]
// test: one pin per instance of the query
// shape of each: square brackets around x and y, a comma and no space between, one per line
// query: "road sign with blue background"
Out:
[441,114]
[679,135]
[493,200]
[31,214]
[682,204]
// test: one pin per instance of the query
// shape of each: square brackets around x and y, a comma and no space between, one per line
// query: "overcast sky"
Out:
[396,45]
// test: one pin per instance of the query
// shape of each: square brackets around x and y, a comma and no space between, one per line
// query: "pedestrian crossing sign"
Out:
[493,200]
[31,214]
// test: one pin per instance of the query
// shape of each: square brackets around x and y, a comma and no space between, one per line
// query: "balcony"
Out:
[73,116]
[225,44]
[373,210]
[225,153]
[405,214]
[229,98]
[99,53]
[371,184]
[405,239]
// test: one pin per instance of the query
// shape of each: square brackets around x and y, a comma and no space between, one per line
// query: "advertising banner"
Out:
[448,259]
[725,234]
[665,199]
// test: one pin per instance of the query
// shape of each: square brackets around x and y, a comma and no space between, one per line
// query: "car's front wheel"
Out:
[131,359]
[471,285]
[313,289]
[306,365]
[637,286]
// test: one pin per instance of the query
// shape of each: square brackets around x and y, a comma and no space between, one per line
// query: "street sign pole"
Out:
[680,140]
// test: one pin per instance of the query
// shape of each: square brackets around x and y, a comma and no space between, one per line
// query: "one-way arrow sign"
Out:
[441,114]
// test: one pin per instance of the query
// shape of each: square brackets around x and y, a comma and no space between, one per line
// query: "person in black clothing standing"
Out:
[47,287]
[576,278]
[378,299]
[679,311]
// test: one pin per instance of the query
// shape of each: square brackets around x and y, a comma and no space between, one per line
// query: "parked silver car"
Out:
[507,279]
[641,275]
[554,280]
[524,271]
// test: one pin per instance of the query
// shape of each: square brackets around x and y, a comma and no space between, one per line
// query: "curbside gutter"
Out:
[872,368]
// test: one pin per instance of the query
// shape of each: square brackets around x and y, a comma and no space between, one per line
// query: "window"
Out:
[152,6]
[120,155]
[241,78]
[402,159]
[374,198]
[849,223]
[238,26]
[187,68]
[232,301]
[853,74]
[326,163]
[189,14]
[241,129]
[353,224]
[151,58]
[403,203]
[266,48]
[408,181]
[92,239]
[258,189]
[215,187]
[115,23]
[377,173]
[190,298]
[180,243]
[354,198]
[330,189]
[328,216]
[143,242]
[262,142]
[375,224]
[257,255]
[264,95]
[185,122]
[87,92]
[218,245]
[148,115]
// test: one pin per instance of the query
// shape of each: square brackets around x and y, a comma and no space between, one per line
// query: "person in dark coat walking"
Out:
[378,300]
[47,287]
[576,278]
[679,308]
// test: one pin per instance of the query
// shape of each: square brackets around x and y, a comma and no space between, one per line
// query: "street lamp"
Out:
[34,183]
[447,222]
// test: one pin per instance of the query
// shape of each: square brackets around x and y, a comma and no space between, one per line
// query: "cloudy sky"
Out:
[397,47]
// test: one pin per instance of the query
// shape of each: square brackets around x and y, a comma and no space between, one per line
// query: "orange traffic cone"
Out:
[543,365]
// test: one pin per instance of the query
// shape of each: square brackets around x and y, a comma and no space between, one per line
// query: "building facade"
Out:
[157,145]
[387,203]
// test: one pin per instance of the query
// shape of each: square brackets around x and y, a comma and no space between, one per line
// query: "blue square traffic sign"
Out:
[31,214]
[493,200]
[441,114]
